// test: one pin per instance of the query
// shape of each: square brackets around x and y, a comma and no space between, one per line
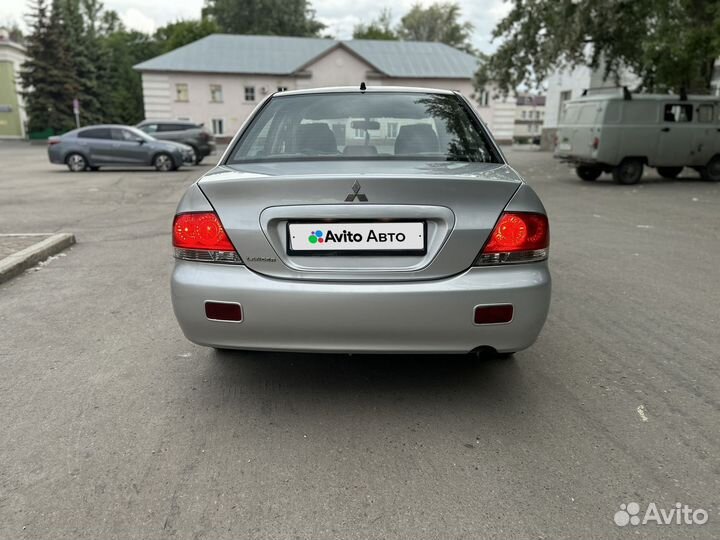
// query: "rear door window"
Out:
[119,134]
[95,133]
[174,127]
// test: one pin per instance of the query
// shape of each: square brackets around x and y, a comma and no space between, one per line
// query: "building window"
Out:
[249,93]
[524,114]
[282,88]
[484,98]
[181,92]
[218,126]
[216,93]
[564,96]
[392,130]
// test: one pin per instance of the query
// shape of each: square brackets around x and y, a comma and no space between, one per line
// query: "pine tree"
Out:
[48,81]
[83,51]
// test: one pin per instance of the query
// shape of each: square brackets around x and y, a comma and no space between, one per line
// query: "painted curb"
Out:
[17,263]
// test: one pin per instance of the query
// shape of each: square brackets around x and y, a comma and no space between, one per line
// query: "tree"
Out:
[438,22]
[14,32]
[124,95]
[47,78]
[174,35]
[380,28]
[83,49]
[670,44]
[264,17]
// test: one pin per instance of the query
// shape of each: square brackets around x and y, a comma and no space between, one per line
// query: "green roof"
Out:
[276,55]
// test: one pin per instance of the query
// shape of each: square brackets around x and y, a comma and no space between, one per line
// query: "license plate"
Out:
[357,238]
[565,147]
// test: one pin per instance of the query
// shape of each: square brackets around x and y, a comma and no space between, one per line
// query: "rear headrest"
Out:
[415,139]
[317,137]
[360,150]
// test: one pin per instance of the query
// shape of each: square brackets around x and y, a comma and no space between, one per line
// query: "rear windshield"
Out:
[585,113]
[372,125]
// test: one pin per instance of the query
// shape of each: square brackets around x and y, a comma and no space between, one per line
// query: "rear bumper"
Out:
[206,149]
[351,317]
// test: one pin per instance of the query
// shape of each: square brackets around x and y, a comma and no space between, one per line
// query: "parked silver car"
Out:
[92,147]
[372,220]
[190,133]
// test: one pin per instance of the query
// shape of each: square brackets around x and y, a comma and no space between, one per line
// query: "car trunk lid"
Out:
[456,203]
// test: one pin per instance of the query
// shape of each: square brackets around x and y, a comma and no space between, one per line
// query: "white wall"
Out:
[159,91]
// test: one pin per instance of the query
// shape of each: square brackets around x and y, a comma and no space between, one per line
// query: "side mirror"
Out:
[139,140]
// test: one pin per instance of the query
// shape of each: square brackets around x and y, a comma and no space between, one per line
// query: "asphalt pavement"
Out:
[114,426]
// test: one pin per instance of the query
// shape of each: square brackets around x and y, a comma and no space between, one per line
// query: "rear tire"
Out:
[76,162]
[628,172]
[588,172]
[711,171]
[669,172]
[164,162]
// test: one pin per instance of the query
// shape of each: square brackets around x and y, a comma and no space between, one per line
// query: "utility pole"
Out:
[76,112]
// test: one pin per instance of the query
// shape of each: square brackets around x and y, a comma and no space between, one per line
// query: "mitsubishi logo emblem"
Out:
[356,194]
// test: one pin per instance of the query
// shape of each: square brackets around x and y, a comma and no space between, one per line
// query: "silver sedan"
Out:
[92,147]
[358,221]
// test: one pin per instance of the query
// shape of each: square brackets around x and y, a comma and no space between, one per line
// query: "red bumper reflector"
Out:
[223,311]
[493,314]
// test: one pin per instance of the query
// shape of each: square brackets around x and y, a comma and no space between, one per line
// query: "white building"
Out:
[219,79]
[529,118]
[12,109]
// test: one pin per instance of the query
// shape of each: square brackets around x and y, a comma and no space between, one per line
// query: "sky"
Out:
[339,15]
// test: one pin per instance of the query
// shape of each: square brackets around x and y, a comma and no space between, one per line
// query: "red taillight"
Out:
[596,143]
[200,230]
[518,232]
[517,237]
[53,141]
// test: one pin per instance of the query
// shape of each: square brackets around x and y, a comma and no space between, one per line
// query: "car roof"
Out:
[368,90]
[94,126]
[641,97]
[166,121]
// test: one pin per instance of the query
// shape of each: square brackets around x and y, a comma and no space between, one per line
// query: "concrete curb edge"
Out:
[17,263]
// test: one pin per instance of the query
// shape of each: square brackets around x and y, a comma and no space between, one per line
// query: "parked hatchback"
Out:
[190,133]
[91,147]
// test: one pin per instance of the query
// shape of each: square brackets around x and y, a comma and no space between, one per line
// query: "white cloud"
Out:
[137,20]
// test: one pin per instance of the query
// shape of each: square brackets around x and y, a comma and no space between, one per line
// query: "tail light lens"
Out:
[518,237]
[596,143]
[200,236]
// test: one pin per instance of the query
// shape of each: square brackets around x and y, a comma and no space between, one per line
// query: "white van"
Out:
[619,132]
